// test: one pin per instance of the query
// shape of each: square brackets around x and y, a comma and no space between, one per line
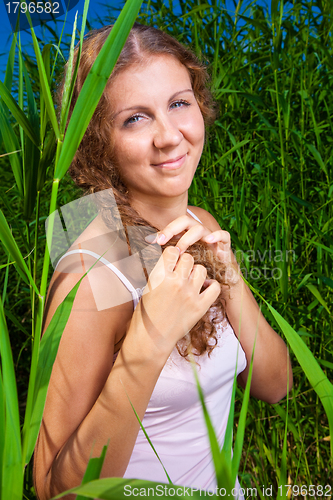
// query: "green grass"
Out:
[266,175]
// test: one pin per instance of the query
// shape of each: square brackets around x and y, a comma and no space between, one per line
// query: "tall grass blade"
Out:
[119,489]
[44,84]
[21,100]
[2,425]
[44,118]
[93,470]
[283,470]
[18,114]
[11,247]
[16,322]
[69,82]
[284,416]
[238,447]
[148,439]
[318,157]
[228,437]
[221,459]
[10,68]
[31,152]
[10,63]
[94,85]
[231,150]
[11,144]
[11,486]
[5,282]
[47,158]
[318,296]
[311,368]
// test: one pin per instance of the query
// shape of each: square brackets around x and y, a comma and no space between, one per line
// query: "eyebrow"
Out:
[145,108]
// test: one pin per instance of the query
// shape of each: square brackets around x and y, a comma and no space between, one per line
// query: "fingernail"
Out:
[161,239]
[151,238]
[211,237]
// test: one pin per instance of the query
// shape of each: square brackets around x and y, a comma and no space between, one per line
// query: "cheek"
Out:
[195,128]
[122,154]
[201,125]
[198,133]
[131,149]
[202,133]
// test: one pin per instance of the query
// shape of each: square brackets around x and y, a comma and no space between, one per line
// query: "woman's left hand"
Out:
[271,364]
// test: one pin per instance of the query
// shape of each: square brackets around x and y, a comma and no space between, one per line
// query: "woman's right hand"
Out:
[172,302]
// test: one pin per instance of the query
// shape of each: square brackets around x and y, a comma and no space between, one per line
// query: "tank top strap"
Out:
[193,215]
[135,292]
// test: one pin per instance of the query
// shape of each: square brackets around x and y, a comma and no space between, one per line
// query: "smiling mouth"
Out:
[171,164]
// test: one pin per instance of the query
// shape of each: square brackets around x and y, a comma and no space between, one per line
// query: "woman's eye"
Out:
[179,104]
[133,119]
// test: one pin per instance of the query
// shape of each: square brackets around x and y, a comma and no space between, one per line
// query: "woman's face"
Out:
[158,129]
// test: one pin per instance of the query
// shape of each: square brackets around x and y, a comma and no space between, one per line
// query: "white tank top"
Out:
[174,419]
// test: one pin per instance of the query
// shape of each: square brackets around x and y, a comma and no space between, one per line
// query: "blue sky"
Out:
[5,27]
[95,9]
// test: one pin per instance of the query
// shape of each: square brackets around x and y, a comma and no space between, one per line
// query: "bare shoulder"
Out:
[99,257]
[100,289]
[205,217]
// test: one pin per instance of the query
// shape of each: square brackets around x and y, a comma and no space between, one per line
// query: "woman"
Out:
[145,141]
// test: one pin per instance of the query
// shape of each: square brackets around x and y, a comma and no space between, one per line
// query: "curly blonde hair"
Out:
[94,168]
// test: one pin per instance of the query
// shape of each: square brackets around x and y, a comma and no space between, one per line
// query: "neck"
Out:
[159,213]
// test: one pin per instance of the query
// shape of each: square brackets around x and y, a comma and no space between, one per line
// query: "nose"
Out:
[167,133]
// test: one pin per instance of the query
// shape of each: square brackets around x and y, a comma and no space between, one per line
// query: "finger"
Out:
[194,234]
[184,266]
[224,255]
[165,265]
[198,276]
[152,238]
[180,224]
[170,258]
[219,236]
[206,283]
[210,294]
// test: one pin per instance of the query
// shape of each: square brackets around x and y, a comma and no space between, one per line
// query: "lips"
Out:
[173,163]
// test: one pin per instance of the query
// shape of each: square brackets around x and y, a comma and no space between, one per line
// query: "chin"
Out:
[181,187]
